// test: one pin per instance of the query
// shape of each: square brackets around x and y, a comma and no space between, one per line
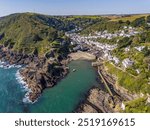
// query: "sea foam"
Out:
[19,78]
[6,65]
[24,87]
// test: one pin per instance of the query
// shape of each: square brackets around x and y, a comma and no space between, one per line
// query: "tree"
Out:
[124,42]
[146,51]
[128,22]
[136,40]
[1,36]
[139,22]
[36,38]
[148,19]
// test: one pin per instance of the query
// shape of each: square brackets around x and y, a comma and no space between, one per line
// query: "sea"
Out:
[62,98]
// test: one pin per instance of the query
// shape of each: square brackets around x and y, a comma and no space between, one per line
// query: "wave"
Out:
[24,87]
[19,78]
[27,100]
[6,65]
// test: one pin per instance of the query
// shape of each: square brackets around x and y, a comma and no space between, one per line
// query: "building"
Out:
[140,48]
[127,49]
[116,60]
[127,63]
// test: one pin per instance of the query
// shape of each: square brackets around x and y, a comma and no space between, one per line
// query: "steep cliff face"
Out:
[42,74]
[39,43]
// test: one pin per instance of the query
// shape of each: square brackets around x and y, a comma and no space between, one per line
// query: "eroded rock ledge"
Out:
[99,101]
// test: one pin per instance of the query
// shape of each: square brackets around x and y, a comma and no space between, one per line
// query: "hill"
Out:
[29,32]
[128,17]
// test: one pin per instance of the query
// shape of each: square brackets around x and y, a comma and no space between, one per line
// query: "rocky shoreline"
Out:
[38,73]
[99,101]
[39,77]
[41,73]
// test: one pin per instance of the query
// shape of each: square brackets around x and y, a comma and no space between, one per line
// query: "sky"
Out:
[75,7]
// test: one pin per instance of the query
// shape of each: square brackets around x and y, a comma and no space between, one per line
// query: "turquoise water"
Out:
[64,97]
[11,94]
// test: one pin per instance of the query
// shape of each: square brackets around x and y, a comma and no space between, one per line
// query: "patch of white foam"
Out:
[27,100]
[24,87]
[20,79]
[6,65]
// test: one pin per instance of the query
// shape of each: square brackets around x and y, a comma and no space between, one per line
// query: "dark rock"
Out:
[39,72]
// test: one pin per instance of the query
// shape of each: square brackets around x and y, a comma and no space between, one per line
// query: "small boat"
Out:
[73,70]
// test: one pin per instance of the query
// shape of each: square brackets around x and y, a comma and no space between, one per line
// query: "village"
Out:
[104,50]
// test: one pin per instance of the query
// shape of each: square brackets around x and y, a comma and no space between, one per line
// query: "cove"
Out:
[62,98]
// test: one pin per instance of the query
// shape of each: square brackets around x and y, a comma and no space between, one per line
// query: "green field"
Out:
[135,84]
[128,18]
[137,106]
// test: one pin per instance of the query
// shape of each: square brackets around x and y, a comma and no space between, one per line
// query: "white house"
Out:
[116,60]
[127,49]
[140,48]
[123,107]
[127,62]
[138,71]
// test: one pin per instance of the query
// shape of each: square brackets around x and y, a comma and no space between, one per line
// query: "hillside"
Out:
[29,32]
[35,33]
[128,17]
[124,47]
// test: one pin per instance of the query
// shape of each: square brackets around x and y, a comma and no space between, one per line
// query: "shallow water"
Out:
[62,98]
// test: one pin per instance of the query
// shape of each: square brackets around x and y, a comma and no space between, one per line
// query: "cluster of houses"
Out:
[85,43]
[103,47]
[79,41]
[139,48]
[125,32]
[127,63]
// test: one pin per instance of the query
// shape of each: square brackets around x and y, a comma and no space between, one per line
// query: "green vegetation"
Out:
[35,33]
[124,42]
[27,32]
[112,24]
[80,21]
[105,24]
[137,106]
[139,22]
[130,82]
[129,17]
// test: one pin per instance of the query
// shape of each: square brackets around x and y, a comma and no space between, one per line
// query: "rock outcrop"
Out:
[99,101]
[38,73]
[42,75]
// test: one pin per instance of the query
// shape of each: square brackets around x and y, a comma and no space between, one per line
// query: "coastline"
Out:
[90,103]
[40,79]
[33,83]
[99,100]
[65,62]
[19,78]
[33,79]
